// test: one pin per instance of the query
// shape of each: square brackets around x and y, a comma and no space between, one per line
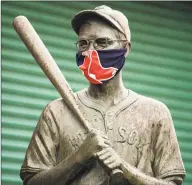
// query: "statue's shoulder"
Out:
[60,103]
[56,103]
[150,103]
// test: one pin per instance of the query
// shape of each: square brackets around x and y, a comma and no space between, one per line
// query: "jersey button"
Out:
[110,123]
[111,113]
[110,127]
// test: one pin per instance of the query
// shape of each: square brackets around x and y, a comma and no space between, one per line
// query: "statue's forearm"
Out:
[136,177]
[58,174]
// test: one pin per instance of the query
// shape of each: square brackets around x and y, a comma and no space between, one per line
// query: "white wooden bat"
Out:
[42,56]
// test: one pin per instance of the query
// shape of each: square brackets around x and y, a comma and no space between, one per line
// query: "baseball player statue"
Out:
[131,133]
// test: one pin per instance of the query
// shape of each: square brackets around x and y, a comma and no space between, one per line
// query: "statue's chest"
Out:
[128,132]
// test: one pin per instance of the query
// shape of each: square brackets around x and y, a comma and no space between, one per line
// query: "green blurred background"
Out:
[158,66]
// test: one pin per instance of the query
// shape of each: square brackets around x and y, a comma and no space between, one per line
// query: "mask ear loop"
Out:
[128,47]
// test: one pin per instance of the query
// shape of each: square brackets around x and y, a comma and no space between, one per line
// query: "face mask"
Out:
[101,65]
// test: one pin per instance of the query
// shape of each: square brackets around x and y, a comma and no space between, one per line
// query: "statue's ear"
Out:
[128,46]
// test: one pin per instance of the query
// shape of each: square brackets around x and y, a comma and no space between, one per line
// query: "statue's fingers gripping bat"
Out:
[42,56]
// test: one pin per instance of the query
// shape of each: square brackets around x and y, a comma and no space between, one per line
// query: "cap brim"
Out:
[81,17]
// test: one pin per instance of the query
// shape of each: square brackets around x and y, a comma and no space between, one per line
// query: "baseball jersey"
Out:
[140,129]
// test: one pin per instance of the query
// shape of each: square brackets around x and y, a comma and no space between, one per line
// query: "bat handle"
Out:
[116,177]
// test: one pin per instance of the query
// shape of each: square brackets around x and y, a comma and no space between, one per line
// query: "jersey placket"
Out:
[108,121]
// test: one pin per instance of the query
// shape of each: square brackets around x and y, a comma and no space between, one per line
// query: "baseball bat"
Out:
[42,56]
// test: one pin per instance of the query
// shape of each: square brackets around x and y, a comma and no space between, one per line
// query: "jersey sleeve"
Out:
[42,150]
[167,156]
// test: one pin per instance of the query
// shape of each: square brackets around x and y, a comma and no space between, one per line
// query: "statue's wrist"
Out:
[123,165]
[81,158]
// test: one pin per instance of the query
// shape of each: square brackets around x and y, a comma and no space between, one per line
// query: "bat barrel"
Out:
[42,56]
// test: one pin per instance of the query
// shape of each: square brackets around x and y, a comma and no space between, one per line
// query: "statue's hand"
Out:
[109,158]
[94,142]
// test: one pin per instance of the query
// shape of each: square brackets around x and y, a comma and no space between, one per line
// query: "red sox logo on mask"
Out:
[94,71]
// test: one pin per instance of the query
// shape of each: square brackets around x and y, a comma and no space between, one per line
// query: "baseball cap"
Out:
[116,18]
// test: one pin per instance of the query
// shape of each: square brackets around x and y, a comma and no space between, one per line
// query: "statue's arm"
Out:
[137,177]
[111,160]
[67,170]
[41,164]
[59,174]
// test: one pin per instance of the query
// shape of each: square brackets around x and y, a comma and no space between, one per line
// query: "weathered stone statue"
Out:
[132,133]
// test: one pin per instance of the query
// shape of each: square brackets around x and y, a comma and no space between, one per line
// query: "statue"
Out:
[131,132]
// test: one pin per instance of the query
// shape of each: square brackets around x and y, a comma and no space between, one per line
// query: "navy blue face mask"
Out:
[101,65]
